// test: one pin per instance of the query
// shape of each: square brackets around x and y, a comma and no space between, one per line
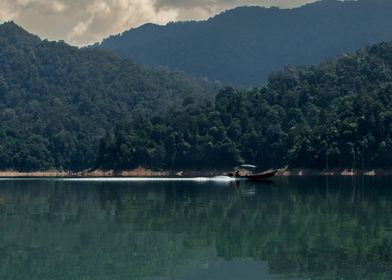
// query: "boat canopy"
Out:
[248,166]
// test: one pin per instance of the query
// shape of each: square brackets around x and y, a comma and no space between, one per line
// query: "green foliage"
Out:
[337,114]
[66,108]
[57,101]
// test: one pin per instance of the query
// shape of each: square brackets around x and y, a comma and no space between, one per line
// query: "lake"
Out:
[291,228]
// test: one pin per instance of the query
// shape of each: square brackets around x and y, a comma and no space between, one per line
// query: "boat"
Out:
[245,174]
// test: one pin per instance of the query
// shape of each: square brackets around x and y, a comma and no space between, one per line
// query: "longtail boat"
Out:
[247,175]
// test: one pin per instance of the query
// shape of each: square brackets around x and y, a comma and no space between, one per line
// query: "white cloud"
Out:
[7,11]
[113,16]
[58,7]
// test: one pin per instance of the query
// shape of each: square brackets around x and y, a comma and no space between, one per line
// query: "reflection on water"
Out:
[294,228]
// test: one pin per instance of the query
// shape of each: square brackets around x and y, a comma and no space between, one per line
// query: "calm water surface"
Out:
[293,228]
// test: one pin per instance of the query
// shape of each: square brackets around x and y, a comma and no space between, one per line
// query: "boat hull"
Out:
[257,177]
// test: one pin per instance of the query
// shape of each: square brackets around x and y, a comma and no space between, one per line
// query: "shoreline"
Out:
[142,172]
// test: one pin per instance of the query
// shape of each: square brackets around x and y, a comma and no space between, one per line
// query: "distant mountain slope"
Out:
[57,101]
[244,45]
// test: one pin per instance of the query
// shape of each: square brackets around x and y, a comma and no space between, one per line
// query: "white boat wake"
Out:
[151,179]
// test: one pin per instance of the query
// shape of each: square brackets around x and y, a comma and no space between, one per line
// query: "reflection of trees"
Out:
[302,227]
[55,231]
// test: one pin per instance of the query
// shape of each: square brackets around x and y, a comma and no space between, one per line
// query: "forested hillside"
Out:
[57,101]
[246,44]
[66,108]
[336,114]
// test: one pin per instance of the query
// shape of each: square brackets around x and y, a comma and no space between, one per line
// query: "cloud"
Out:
[108,17]
[58,7]
[6,11]
[82,22]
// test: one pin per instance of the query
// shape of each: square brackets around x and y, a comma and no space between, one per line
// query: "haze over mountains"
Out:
[246,44]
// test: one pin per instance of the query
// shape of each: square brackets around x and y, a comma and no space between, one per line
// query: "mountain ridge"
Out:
[244,45]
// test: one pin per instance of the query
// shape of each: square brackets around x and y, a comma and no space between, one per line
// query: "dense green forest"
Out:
[336,114]
[244,45]
[67,108]
[57,101]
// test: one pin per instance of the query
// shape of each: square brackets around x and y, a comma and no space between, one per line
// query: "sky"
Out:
[83,22]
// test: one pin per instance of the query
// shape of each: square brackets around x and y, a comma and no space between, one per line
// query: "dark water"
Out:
[294,228]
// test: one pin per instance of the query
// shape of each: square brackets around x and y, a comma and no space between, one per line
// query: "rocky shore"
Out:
[138,172]
[143,172]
